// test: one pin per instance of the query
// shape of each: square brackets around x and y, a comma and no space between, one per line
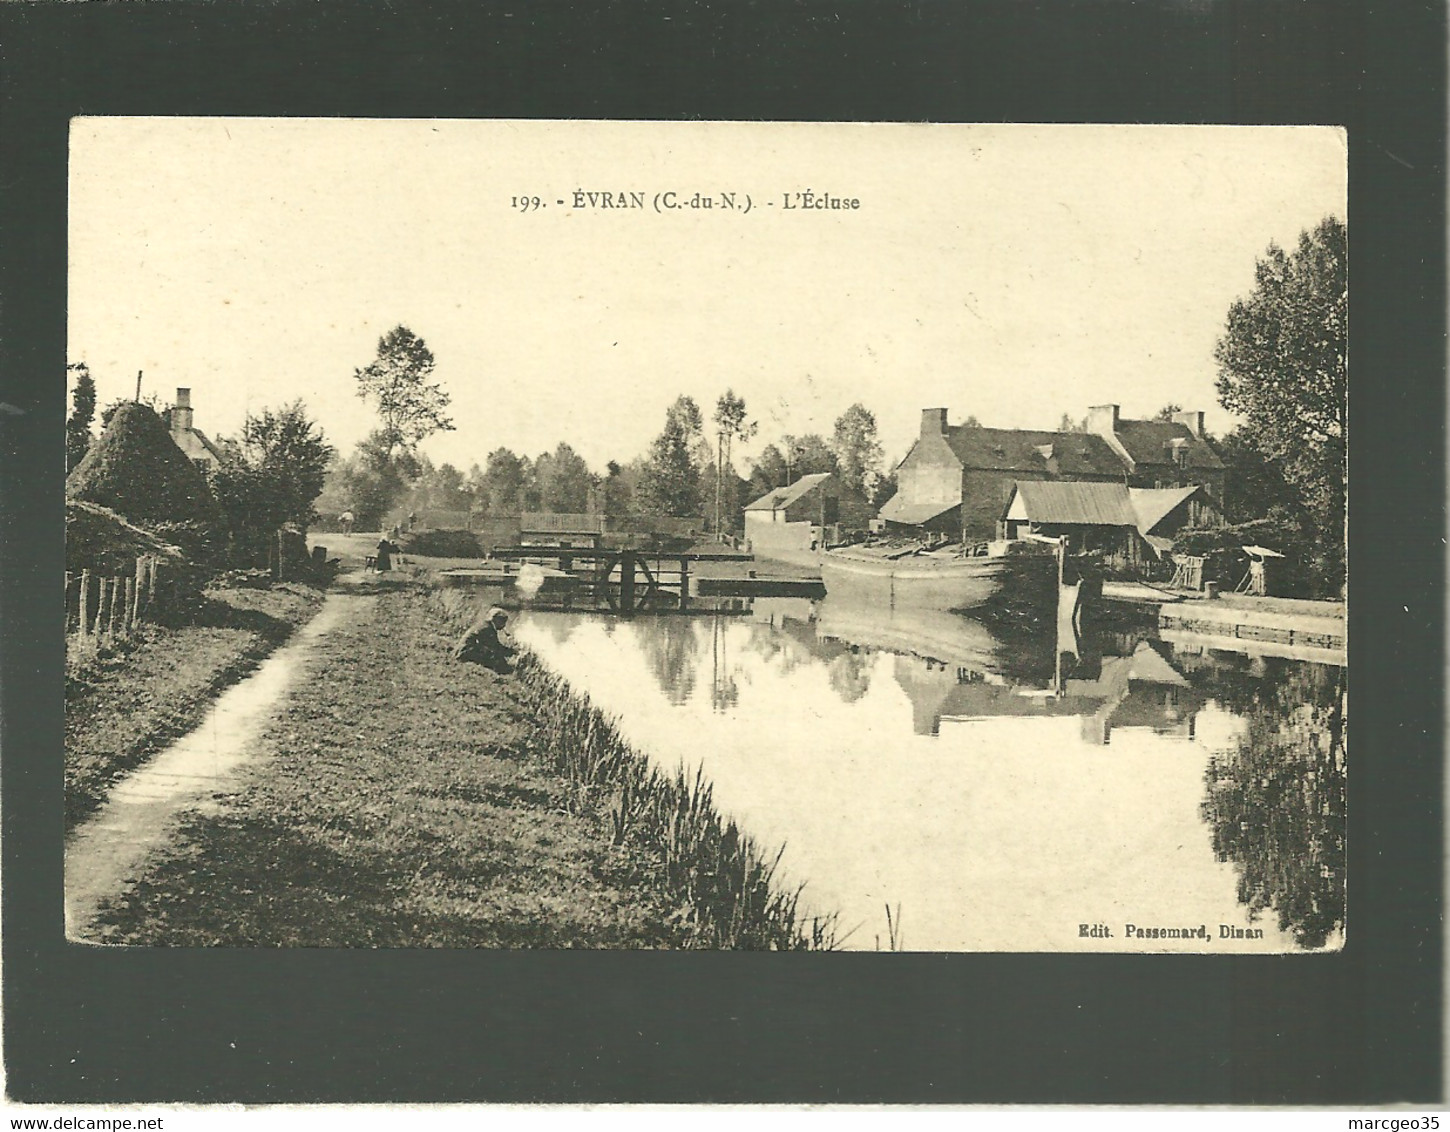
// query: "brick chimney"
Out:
[1193,419]
[181,411]
[933,422]
[1102,419]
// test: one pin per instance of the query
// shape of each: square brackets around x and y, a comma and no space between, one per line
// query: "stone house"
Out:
[957,480]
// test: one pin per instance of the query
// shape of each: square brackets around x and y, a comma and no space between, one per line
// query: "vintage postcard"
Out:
[542,534]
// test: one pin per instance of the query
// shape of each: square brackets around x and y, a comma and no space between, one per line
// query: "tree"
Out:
[1283,366]
[372,481]
[670,484]
[272,474]
[1168,412]
[502,483]
[396,382]
[83,412]
[564,481]
[769,471]
[807,455]
[618,489]
[858,451]
[730,425]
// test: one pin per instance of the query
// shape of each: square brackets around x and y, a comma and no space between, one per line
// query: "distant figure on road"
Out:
[482,644]
[384,555]
[412,519]
[346,519]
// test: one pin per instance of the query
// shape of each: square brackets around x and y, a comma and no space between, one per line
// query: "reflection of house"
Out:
[1133,522]
[957,479]
[191,440]
[793,517]
[1140,690]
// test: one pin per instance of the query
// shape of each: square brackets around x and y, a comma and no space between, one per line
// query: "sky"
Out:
[1009,272]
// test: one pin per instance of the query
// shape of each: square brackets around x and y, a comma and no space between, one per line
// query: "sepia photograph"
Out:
[525,534]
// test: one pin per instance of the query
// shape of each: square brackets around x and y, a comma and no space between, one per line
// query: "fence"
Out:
[97,605]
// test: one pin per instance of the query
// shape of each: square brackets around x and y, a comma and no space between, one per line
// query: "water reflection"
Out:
[1276,799]
[1002,785]
[672,646]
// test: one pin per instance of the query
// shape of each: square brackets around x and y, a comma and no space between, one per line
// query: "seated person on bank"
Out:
[482,644]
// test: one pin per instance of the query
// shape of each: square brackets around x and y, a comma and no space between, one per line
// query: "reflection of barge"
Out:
[947,638]
[945,580]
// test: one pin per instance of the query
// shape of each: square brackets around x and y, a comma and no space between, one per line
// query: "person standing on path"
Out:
[384,559]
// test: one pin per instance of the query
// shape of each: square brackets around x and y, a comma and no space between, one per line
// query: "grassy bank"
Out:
[127,700]
[395,804]
[720,884]
[402,799]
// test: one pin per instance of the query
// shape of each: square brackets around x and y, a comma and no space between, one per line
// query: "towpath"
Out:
[387,796]
[104,852]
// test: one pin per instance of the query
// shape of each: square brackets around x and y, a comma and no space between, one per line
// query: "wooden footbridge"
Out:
[624,580]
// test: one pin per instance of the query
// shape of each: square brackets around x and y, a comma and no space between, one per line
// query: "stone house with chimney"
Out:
[194,443]
[957,479]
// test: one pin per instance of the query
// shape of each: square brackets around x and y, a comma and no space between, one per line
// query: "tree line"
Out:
[1282,368]
[688,471]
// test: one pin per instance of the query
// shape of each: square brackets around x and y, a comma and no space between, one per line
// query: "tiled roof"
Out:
[1022,450]
[782,497]
[1147,443]
[1086,504]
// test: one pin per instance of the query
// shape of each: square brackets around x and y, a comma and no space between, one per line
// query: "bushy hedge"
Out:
[442,544]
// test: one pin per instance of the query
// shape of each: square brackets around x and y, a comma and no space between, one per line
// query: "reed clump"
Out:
[724,886]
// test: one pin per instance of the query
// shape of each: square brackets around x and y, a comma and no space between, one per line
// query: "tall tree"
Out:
[83,412]
[769,471]
[565,481]
[858,451]
[503,483]
[1283,366]
[618,489]
[807,455]
[1168,412]
[396,382]
[730,426]
[670,484]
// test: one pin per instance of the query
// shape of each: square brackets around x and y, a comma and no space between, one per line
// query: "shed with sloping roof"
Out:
[793,517]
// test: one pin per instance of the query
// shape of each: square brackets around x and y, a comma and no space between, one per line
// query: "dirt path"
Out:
[105,852]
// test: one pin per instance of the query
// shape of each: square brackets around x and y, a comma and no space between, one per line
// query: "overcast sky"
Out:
[1010,272]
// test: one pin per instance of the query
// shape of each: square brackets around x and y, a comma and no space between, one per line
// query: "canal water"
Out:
[998,790]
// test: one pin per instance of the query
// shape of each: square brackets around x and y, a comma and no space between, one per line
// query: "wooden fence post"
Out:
[129,591]
[118,591]
[100,605]
[66,622]
[84,623]
[136,591]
